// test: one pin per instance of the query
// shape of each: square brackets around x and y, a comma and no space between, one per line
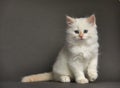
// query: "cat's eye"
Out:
[85,31]
[76,31]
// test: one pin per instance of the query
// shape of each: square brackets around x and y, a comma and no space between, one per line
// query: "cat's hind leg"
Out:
[62,78]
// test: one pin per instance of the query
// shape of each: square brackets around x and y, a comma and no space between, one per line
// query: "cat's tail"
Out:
[38,77]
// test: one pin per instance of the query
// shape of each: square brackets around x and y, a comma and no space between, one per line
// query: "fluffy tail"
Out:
[38,77]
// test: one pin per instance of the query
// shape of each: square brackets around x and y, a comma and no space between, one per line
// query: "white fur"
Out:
[78,57]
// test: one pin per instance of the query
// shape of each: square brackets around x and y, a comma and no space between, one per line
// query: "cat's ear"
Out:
[69,20]
[92,19]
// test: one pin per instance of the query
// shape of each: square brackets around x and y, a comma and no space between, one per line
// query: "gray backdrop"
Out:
[33,31]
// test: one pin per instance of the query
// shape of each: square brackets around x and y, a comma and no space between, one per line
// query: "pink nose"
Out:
[81,37]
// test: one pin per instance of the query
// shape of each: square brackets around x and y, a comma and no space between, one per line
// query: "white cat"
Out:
[78,59]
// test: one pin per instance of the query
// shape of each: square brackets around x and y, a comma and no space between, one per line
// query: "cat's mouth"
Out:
[78,38]
[81,38]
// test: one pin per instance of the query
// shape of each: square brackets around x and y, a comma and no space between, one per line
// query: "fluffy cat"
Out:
[78,59]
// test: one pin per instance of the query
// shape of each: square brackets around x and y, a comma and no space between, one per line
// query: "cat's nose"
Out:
[81,35]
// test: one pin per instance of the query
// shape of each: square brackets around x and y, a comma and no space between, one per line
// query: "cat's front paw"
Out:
[65,79]
[82,80]
[92,74]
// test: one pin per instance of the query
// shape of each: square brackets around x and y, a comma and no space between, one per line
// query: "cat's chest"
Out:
[80,49]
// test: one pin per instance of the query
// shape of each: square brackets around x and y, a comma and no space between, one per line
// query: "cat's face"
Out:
[81,28]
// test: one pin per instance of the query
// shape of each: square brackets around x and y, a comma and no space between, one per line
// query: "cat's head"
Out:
[81,29]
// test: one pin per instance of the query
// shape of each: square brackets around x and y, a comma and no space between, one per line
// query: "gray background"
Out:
[33,31]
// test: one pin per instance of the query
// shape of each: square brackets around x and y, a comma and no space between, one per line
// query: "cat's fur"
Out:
[78,59]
